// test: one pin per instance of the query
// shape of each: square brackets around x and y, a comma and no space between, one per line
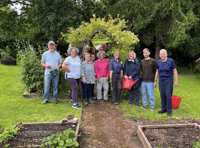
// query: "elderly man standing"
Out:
[51,60]
[166,68]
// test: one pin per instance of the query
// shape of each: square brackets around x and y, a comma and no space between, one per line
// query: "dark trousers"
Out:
[166,90]
[73,83]
[135,92]
[116,84]
[87,91]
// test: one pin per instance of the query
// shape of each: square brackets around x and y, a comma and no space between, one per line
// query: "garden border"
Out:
[144,139]
[63,121]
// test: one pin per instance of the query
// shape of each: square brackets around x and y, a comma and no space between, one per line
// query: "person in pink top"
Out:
[102,73]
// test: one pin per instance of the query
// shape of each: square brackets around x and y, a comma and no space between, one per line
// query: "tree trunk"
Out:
[157,49]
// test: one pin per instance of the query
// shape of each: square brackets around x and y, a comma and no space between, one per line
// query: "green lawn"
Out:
[14,108]
[188,88]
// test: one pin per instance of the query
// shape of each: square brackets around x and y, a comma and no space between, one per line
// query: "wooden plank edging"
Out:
[144,139]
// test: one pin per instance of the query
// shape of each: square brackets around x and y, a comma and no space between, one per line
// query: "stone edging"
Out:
[144,139]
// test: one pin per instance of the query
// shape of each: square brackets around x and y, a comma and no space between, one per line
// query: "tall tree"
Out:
[167,23]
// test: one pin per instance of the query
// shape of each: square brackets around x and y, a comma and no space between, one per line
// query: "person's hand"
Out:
[155,84]
[125,77]
[94,78]
[106,78]
[48,66]
[84,81]
[130,77]
[99,80]
[57,68]
[176,83]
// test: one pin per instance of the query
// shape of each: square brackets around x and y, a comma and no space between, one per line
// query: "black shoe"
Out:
[106,100]
[169,114]
[162,111]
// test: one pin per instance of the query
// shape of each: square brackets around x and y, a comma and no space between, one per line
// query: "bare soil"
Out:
[31,135]
[172,137]
[104,126]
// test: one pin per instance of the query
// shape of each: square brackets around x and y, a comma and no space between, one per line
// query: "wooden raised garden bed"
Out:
[31,134]
[169,135]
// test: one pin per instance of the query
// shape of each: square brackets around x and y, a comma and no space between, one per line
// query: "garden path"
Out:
[104,126]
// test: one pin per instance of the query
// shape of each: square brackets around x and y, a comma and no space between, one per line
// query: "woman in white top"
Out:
[72,67]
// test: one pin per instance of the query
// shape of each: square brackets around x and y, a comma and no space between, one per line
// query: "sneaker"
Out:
[91,101]
[151,109]
[137,105]
[116,103]
[162,111]
[70,101]
[55,101]
[143,106]
[98,100]
[130,103]
[85,103]
[106,100]
[169,114]
[44,102]
[77,106]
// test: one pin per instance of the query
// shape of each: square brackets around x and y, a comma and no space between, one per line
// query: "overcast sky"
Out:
[17,8]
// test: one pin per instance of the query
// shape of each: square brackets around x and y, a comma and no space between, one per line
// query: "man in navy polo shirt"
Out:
[166,68]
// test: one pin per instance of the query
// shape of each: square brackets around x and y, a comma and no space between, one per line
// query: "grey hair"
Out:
[163,50]
[115,53]
[69,50]
[101,52]
[134,54]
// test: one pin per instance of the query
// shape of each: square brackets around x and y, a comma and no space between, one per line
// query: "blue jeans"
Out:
[134,91]
[148,87]
[166,90]
[47,83]
[87,91]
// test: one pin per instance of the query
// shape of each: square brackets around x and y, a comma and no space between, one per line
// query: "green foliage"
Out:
[32,74]
[197,145]
[8,134]
[6,54]
[115,29]
[61,140]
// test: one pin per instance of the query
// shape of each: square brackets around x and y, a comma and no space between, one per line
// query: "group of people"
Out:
[96,68]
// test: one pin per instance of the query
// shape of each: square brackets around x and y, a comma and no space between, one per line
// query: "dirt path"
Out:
[104,126]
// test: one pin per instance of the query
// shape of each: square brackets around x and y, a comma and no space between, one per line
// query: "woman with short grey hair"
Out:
[72,67]
[102,73]
[116,72]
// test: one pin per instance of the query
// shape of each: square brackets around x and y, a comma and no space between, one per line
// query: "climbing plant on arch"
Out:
[113,28]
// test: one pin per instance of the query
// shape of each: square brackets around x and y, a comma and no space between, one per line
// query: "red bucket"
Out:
[175,101]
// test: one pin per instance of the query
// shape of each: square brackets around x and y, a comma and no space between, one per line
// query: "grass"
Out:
[188,89]
[14,108]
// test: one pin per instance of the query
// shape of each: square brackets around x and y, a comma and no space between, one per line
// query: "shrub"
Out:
[32,74]
[6,54]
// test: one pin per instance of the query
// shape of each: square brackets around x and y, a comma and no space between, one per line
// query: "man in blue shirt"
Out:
[51,60]
[166,68]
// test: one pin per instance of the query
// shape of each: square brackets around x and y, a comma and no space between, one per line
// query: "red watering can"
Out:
[128,83]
